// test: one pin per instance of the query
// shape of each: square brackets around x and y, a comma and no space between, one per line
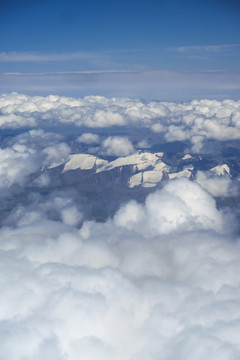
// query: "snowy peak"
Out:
[148,168]
[140,160]
[83,162]
[154,170]
[80,161]
[187,157]
[143,169]
[146,178]
[221,170]
[187,173]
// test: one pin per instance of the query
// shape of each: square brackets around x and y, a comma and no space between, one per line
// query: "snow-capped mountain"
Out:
[142,169]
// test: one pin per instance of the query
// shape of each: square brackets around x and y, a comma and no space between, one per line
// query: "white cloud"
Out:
[159,279]
[166,85]
[71,216]
[42,180]
[104,118]
[116,146]
[209,48]
[143,144]
[130,215]
[41,57]
[195,120]
[180,206]
[89,138]
[56,154]
[149,283]
[216,185]
[16,164]
[28,153]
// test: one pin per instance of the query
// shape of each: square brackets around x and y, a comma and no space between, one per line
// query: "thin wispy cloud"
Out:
[208,48]
[65,73]
[41,57]
[31,56]
[164,85]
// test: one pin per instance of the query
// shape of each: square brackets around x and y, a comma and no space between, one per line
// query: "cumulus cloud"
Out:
[216,185]
[180,206]
[71,215]
[16,164]
[56,154]
[143,144]
[159,279]
[196,120]
[42,180]
[28,153]
[117,146]
[89,138]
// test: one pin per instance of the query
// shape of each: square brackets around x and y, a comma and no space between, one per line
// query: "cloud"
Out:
[56,154]
[181,205]
[197,120]
[160,278]
[16,164]
[216,185]
[71,216]
[27,154]
[89,138]
[116,146]
[38,57]
[209,48]
[114,82]
[157,280]
[143,144]
[104,118]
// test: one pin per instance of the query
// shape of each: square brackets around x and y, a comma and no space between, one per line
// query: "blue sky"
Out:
[132,48]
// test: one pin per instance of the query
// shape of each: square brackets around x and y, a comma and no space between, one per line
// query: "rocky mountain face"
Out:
[102,185]
[141,170]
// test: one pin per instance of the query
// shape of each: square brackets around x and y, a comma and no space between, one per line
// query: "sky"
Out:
[162,50]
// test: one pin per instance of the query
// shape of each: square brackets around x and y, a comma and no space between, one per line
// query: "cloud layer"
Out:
[196,120]
[158,279]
